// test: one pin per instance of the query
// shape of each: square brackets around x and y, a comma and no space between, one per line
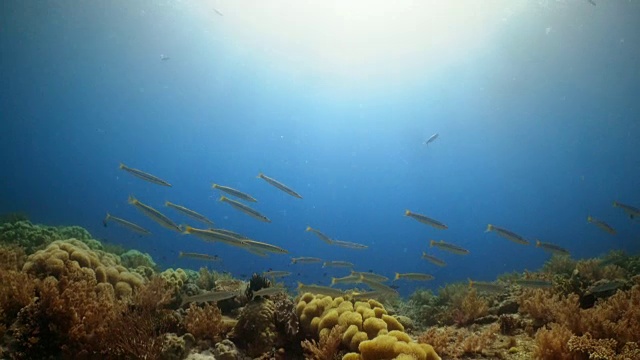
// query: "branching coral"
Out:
[551,343]
[204,323]
[545,307]
[12,257]
[470,308]
[327,348]
[457,342]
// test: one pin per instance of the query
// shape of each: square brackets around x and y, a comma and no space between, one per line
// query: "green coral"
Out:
[135,258]
[32,237]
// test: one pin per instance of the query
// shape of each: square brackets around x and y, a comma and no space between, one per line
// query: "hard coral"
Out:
[30,236]
[63,257]
[256,330]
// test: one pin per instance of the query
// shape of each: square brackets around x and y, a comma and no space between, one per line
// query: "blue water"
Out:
[539,127]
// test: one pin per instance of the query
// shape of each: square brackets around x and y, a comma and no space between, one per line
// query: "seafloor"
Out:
[65,295]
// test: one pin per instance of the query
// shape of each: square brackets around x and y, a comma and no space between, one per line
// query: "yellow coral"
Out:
[366,328]
[63,257]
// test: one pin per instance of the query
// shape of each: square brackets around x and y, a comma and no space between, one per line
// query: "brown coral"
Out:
[256,329]
[470,308]
[327,348]
[204,323]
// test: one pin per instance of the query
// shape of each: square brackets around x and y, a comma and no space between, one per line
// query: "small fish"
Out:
[552,248]
[279,185]
[230,233]
[199,256]
[431,139]
[349,245]
[486,286]
[245,209]
[534,283]
[233,192]
[454,249]
[154,214]
[508,234]
[601,224]
[164,57]
[337,263]
[264,247]
[144,176]
[349,279]
[275,273]
[318,289]
[432,259]
[214,236]
[414,276]
[218,12]
[377,286]
[305,260]
[605,285]
[271,290]
[369,295]
[633,212]
[127,224]
[426,220]
[190,213]
[370,276]
[211,296]
[320,234]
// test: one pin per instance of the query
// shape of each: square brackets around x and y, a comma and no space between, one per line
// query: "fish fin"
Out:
[132,200]
[397,277]
[489,228]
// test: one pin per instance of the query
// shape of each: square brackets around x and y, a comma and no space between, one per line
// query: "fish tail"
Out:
[260,175]
[615,203]
[222,198]
[166,203]
[333,281]
[431,243]
[397,277]
[300,285]
[308,228]
[407,213]
[470,283]
[187,229]
[181,254]
[589,218]
[537,243]
[122,166]
[214,185]
[489,228]
[132,200]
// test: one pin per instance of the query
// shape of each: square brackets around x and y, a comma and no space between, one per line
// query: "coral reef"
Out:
[134,259]
[204,322]
[31,237]
[64,256]
[359,322]
[256,329]
[327,348]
